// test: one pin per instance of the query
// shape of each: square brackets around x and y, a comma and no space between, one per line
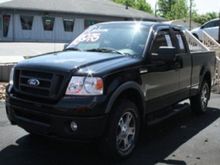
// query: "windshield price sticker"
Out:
[88,37]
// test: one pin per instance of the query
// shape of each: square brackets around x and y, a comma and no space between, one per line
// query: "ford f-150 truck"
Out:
[107,84]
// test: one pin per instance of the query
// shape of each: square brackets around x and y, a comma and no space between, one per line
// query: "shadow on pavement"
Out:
[157,142]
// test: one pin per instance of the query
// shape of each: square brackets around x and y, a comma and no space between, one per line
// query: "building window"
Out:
[6,22]
[68,25]
[48,23]
[88,23]
[26,22]
[0,23]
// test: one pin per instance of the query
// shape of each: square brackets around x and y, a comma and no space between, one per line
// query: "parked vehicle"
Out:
[108,83]
[211,27]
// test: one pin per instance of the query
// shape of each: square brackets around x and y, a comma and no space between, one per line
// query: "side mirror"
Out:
[166,53]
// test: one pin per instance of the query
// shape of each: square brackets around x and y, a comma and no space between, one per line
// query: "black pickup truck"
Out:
[106,83]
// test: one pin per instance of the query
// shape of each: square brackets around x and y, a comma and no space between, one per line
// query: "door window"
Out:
[6,22]
[180,41]
[163,38]
[212,24]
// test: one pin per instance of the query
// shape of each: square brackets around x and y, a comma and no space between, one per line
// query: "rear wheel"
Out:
[122,135]
[200,101]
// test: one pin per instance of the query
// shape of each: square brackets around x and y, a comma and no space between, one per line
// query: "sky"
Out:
[202,6]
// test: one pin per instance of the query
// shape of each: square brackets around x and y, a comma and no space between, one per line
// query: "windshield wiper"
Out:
[72,48]
[105,50]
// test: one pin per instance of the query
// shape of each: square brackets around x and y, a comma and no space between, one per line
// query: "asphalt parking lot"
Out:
[14,52]
[179,140]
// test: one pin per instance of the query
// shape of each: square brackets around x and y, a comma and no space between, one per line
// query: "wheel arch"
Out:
[205,74]
[132,92]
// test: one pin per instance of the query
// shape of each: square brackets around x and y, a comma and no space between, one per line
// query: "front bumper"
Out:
[54,120]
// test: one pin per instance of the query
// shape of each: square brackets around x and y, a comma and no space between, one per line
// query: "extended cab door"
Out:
[162,80]
[183,59]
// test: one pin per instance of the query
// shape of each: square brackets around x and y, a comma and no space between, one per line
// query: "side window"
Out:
[216,23]
[0,23]
[6,22]
[48,23]
[89,22]
[163,38]
[26,22]
[210,24]
[68,25]
[180,41]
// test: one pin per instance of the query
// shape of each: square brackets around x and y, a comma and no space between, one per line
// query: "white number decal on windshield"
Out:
[88,37]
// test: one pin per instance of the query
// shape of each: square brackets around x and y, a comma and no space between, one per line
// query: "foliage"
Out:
[203,17]
[173,9]
[137,4]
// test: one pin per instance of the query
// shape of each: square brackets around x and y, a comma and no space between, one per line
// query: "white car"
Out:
[211,27]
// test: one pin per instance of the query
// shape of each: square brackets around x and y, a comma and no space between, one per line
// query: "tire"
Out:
[199,102]
[122,135]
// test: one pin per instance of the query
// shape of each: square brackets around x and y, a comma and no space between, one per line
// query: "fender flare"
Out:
[128,85]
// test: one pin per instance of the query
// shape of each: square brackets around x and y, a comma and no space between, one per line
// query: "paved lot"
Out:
[182,139]
[14,51]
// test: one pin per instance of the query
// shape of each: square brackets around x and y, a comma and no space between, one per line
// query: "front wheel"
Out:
[122,135]
[199,102]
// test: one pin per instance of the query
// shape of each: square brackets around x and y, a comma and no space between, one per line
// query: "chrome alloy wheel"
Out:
[126,132]
[204,96]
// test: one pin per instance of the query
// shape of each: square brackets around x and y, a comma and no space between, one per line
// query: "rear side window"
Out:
[180,41]
[212,24]
[163,38]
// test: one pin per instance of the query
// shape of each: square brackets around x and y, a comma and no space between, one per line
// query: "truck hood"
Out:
[68,61]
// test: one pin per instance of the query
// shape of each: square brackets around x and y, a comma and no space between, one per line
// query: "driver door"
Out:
[162,80]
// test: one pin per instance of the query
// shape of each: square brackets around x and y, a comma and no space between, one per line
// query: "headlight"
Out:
[11,78]
[85,86]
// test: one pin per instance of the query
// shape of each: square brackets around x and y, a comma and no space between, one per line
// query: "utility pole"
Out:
[155,12]
[190,14]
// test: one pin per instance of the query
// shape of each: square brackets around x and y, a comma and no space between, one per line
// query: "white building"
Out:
[59,20]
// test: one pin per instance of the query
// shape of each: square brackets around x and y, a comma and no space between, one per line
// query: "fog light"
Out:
[73,126]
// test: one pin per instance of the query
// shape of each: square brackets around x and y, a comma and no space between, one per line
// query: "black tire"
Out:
[199,102]
[124,123]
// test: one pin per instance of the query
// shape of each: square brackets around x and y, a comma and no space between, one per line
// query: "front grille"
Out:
[49,83]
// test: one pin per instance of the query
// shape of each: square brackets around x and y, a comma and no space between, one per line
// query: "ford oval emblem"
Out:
[33,82]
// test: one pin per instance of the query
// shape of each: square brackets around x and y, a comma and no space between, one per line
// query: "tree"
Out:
[164,7]
[202,18]
[173,9]
[137,4]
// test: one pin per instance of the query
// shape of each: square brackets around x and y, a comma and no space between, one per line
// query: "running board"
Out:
[171,111]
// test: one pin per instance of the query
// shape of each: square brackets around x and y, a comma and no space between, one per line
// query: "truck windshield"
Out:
[126,39]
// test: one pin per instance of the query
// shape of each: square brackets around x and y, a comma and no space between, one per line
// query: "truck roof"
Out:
[144,23]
